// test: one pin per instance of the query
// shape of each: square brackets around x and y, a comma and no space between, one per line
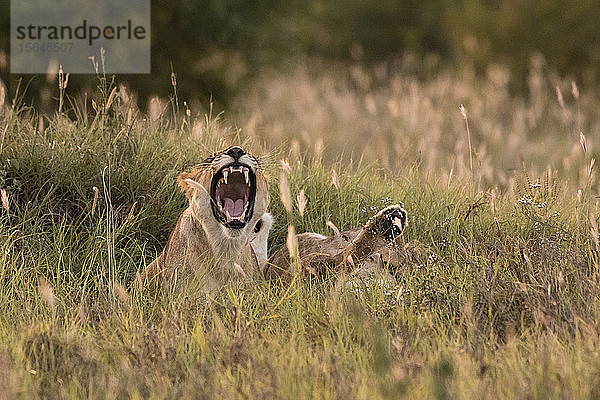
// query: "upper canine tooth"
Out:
[246,175]
[225,174]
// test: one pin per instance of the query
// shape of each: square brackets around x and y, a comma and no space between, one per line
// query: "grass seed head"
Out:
[583,142]
[284,190]
[2,94]
[463,111]
[5,203]
[335,180]
[286,166]
[111,98]
[46,292]
[301,200]
[333,228]
[121,293]
[292,242]
[561,100]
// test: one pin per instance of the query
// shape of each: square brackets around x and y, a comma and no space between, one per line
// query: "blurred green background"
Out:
[217,46]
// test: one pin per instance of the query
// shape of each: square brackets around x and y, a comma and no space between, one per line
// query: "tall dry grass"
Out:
[499,297]
[393,117]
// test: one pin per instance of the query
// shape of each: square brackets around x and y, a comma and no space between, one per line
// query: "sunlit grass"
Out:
[499,296]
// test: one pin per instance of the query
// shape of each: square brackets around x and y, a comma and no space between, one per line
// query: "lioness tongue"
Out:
[235,209]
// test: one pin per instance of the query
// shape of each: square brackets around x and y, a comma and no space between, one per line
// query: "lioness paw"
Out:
[389,222]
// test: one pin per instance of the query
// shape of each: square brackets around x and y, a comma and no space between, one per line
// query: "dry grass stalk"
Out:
[197,130]
[583,142]
[286,166]
[63,79]
[463,111]
[5,203]
[284,190]
[188,112]
[41,126]
[574,90]
[81,313]
[173,79]
[132,114]
[156,108]
[121,293]
[238,268]
[594,231]
[292,242]
[295,151]
[116,139]
[335,180]
[111,98]
[333,227]
[301,201]
[450,178]
[319,146]
[3,137]
[46,292]
[561,100]
[96,193]
[131,211]
[2,93]
[527,260]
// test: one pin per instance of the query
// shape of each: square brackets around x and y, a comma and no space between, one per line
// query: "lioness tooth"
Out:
[246,176]
[228,216]
[225,174]
[242,218]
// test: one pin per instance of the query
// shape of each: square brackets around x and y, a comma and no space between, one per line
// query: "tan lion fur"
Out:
[363,249]
[202,244]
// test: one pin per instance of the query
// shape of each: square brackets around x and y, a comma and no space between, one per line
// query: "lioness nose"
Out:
[235,152]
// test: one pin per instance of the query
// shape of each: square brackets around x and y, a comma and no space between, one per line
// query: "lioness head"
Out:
[232,184]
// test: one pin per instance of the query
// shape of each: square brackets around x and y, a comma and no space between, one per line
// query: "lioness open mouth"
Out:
[232,191]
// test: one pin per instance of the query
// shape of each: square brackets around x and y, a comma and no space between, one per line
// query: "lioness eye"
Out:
[258,226]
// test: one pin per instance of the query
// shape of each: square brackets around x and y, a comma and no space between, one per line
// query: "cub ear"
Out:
[188,184]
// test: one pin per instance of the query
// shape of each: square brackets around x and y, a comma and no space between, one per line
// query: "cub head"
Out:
[233,183]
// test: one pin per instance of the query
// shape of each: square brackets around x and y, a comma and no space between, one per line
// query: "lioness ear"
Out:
[195,185]
[188,184]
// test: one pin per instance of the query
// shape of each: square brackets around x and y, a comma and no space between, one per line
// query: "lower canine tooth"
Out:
[228,216]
